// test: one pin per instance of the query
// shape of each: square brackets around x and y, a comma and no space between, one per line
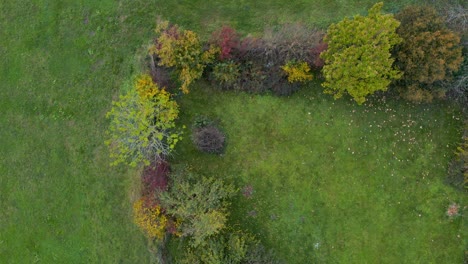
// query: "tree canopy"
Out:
[358,59]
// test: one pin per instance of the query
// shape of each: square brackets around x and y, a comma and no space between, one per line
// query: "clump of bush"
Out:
[297,71]
[183,51]
[207,137]
[201,205]
[226,75]
[155,177]
[228,40]
[255,64]
[148,216]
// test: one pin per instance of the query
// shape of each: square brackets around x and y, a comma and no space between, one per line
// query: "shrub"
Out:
[142,124]
[252,77]
[277,82]
[209,139]
[250,49]
[357,60]
[291,42]
[316,61]
[182,50]
[155,177]
[297,71]
[227,40]
[261,59]
[145,87]
[149,218]
[200,203]
[226,74]
[230,247]
[429,52]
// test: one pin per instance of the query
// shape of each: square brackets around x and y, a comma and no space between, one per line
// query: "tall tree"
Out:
[142,124]
[429,52]
[358,59]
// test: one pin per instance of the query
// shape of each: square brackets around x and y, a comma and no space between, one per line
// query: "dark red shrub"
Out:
[315,52]
[155,177]
[227,39]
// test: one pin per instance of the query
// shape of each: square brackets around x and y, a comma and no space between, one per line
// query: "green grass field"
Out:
[335,182]
[342,184]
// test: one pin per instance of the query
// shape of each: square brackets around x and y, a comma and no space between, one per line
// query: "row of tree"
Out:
[413,50]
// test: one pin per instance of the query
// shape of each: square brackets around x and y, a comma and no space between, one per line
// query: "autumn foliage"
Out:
[227,40]
[297,71]
[429,52]
[148,216]
[155,177]
[142,124]
[182,50]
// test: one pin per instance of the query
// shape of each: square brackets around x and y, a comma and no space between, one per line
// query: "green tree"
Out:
[200,203]
[429,52]
[142,124]
[358,59]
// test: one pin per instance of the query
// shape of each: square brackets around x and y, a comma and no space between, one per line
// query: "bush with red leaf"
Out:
[155,177]
[259,60]
[227,39]
[316,61]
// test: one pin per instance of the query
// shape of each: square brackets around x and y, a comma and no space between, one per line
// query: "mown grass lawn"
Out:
[62,62]
[335,182]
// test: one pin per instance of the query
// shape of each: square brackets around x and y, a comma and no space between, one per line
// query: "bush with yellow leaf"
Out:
[149,218]
[297,71]
[182,50]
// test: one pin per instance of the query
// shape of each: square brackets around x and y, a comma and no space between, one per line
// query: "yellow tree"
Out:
[142,124]
[358,59]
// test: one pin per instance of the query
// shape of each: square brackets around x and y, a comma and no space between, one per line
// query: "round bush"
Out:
[209,139]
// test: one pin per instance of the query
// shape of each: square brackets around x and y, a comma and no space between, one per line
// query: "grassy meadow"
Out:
[333,182]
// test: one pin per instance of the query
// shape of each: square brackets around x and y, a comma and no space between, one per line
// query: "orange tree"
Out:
[429,52]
